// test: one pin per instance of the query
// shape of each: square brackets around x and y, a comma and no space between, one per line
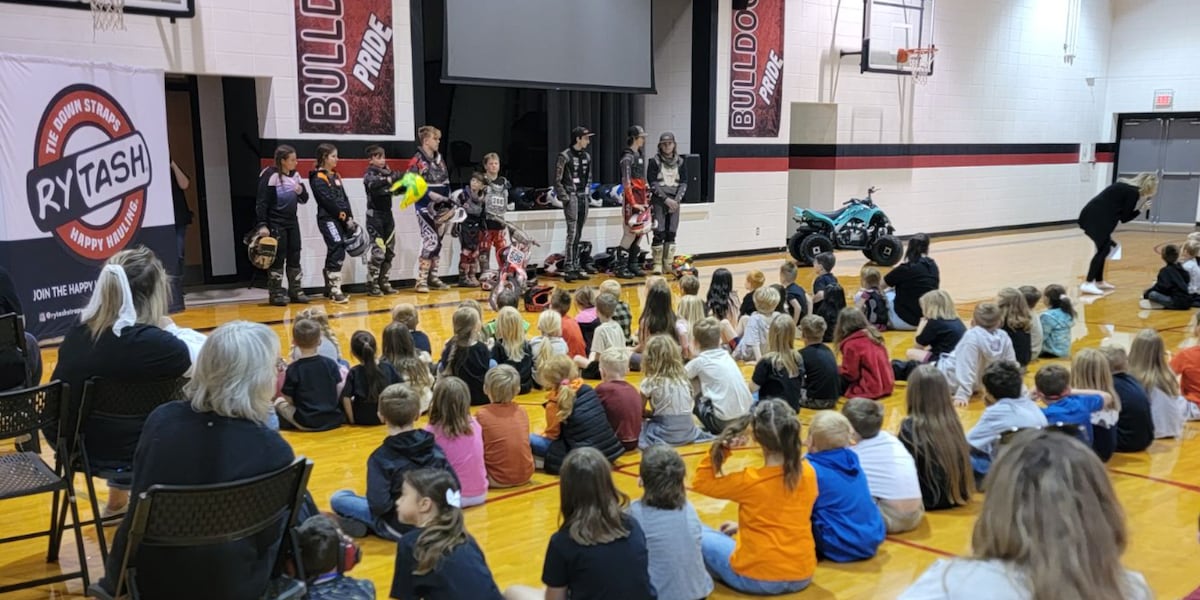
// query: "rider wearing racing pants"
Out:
[381,225]
[572,177]
[433,209]
[668,183]
[635,215]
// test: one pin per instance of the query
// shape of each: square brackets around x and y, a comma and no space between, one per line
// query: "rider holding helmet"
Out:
[334,218]
[636,214]
[280,191]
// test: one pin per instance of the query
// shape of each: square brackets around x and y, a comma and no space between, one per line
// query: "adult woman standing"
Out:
[124,335]
[218,435]
[280,191]
[334,218]
[668,182]
[1121,202]
[909,281]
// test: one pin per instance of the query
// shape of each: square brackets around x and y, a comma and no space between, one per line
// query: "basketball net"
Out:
[919,62]
[108,15]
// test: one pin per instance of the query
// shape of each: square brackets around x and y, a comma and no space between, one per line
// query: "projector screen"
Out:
[559,44]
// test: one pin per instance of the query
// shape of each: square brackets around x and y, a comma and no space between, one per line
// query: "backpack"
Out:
[876,308]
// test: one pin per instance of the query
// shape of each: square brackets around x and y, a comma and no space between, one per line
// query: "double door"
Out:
[1169,147]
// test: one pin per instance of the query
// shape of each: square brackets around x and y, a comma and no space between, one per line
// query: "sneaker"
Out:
[1148,305]
[107,513]
[1104,285]
[1091,288]
[352,527]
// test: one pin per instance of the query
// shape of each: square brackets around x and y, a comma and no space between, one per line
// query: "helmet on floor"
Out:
[537,298]
[553,266]
[262,250]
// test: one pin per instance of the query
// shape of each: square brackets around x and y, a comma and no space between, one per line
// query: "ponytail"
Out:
[559,374]
[565,399]
[446,531]
[731,432]
[1056,297]
[362,346]
[777,429]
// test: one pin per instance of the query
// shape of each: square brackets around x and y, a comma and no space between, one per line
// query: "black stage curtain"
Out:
[607,114]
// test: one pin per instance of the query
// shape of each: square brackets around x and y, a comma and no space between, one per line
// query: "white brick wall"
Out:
[671,108]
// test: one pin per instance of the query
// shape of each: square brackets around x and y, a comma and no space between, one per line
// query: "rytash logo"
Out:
[64,190]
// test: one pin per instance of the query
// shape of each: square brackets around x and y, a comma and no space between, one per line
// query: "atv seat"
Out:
[831,215]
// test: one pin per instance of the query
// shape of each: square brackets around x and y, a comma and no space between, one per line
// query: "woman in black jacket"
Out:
[1122,202]
[16,368]
[909,281]
[334,218]
[218,435]
[280,191]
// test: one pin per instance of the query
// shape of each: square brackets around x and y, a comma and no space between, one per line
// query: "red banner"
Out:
[344,66]
[756,69]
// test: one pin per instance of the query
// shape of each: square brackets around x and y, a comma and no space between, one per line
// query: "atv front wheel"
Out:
[805,248]
[885,251]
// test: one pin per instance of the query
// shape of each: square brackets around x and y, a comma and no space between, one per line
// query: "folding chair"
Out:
[12,348]
[112,399]
[25,473]
[201,515]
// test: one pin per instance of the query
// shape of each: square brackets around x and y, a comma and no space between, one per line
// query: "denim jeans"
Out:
[894,320]
[540,445]
[350,505]
[717,547]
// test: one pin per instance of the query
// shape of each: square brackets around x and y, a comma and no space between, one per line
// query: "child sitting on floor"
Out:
[460,437]
[938,333]
[1170,291]
[1090,373]
[720,391]
[506,453]
[672,527]
[830,308]
[622,402]
[465,356]
[607,335]
[360,394]
[1032,297]
[1057,321]
[406,315]
[822,382]
[754,282]
[511,348]
[866,371]
[322,553]
[621,314]
[795,298]
[984,343]
[400,352]
[309,399]
[1015,320]
[770,550]
[847,525]
[756,327]
[550,343]
[1006,408]
[405,448]
[870,298]
[933,434]
[1148,364]
[668,391]
[891,472]
[780,374]
[574,417]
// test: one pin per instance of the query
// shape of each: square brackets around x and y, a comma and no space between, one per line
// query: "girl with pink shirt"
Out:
[460,437]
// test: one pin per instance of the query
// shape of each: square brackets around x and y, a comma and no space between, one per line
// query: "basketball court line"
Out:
[1179,484]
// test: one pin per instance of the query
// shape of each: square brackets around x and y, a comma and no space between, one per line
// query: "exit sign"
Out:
[1164,99]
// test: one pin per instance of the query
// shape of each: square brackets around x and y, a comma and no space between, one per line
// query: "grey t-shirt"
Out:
[673,542]
[987,580]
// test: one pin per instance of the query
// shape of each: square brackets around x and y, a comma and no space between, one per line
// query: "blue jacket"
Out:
[1056,332]
[1075,409]
[846,523]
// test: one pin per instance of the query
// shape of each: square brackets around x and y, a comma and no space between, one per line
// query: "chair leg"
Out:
[99,523]
[52,545]
[83,566]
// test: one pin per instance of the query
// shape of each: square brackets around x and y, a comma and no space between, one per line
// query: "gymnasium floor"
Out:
[1158,488]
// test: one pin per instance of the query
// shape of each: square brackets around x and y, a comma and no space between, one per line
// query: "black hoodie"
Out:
[399,454]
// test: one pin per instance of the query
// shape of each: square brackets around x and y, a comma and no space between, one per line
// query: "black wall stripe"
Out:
[307,148]
[826,150]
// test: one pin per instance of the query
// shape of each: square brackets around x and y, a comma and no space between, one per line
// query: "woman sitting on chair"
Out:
[124,335]
[218,436]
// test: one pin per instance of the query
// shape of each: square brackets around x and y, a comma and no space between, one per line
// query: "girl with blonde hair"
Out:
[329,342]
[1017,321]
[550,343]
[1090,371]
[668,391]
[511,347]
[780,373]
[460,437]
[691,311]
[938,332]
[575,417]
[1051,528]
[933,434]
[1122,202]
[1148,364]
[400,351]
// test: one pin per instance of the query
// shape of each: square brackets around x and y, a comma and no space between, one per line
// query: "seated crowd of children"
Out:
[855,484]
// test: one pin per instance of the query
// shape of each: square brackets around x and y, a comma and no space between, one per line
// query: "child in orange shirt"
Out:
[506,451]
[1186,364]
[770,550]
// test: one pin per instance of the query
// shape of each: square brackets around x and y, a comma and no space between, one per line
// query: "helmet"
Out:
[553,266]
[357,241]
[261,250]
[639,222]
[537,298]
[487,281]
[681,265]
[411,187]
[452,216]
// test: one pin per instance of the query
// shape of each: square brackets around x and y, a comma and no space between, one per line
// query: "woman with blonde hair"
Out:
[1051,528]
[1090,370]
[124,335]
[1121,202]
[1148,364]
[218,436]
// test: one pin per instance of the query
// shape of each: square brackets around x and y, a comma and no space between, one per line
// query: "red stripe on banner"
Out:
[932,161]
[348,168]
[1106,157]
[751,164]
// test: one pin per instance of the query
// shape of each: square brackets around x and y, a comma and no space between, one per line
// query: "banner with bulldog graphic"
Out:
[87,175]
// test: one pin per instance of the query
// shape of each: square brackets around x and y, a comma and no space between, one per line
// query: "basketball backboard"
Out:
[888,26]
[158,8]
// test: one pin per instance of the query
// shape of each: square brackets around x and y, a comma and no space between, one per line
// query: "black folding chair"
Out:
[25,473]
[201,515]
[12,354]
[123,400]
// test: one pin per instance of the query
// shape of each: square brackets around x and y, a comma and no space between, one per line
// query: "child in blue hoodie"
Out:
[847,524]
[1067,405]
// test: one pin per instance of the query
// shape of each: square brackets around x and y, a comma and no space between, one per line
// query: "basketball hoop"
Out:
[108,15]
[919,62]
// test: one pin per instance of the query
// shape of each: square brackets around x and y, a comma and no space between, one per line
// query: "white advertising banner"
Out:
[83,149]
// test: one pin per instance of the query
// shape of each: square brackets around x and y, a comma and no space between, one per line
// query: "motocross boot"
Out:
[668,259]
[432,279]
[373,280]
[333,288]
[295,286]
[275,293]
[385,286]
[657,259]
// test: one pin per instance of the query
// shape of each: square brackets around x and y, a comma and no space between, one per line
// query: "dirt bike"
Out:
[858,225]
[512,274]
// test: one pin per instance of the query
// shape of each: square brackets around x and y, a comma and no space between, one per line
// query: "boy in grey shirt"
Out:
[671,526]
[1007,408]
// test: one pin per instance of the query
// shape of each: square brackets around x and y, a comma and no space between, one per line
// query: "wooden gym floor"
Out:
[1158,488]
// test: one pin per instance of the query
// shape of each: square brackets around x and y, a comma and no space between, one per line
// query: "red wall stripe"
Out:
[348,168]
[1106,157]
[751,164]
